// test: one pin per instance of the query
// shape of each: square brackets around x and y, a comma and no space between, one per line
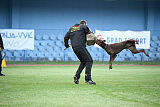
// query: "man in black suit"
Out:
[77,35]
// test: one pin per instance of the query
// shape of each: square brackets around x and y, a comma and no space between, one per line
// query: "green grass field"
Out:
[52,86]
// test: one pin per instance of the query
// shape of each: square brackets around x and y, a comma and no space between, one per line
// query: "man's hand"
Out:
[67,46]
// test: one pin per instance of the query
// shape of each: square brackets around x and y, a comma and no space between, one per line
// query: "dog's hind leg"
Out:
[144,52]
[135,51]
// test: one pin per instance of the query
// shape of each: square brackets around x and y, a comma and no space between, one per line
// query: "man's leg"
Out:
[80,69]
[78,73]
[79,53]
[88,59]
[88,63]
[88,71]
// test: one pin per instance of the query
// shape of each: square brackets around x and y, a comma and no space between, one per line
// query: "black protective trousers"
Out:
[86,61]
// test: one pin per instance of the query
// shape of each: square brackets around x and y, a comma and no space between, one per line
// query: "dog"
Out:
[114,49]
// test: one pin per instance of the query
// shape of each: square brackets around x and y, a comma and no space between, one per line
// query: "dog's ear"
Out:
[104,40]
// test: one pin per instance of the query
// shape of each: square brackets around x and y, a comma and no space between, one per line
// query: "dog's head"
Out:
[100,42]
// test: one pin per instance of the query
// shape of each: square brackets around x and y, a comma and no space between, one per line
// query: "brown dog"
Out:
[114,49]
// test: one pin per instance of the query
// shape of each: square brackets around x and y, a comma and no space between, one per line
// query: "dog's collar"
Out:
[106,46]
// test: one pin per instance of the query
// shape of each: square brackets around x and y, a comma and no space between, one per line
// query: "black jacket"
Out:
[77,35]
[1,42]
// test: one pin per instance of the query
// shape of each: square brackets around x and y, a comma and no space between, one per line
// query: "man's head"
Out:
[83,22]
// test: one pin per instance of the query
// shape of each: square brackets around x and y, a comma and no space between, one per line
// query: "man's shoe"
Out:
[90,82]
[2,75]
[76,81]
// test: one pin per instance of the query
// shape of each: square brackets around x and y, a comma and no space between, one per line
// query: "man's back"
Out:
[77,34]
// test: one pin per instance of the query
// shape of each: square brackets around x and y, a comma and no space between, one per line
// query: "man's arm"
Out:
[86,29]
[66,38]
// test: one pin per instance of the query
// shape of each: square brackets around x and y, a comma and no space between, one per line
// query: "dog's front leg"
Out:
[110,61]
[112,57]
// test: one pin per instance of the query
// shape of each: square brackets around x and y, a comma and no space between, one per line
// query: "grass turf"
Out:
[77,62]
[52,86]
